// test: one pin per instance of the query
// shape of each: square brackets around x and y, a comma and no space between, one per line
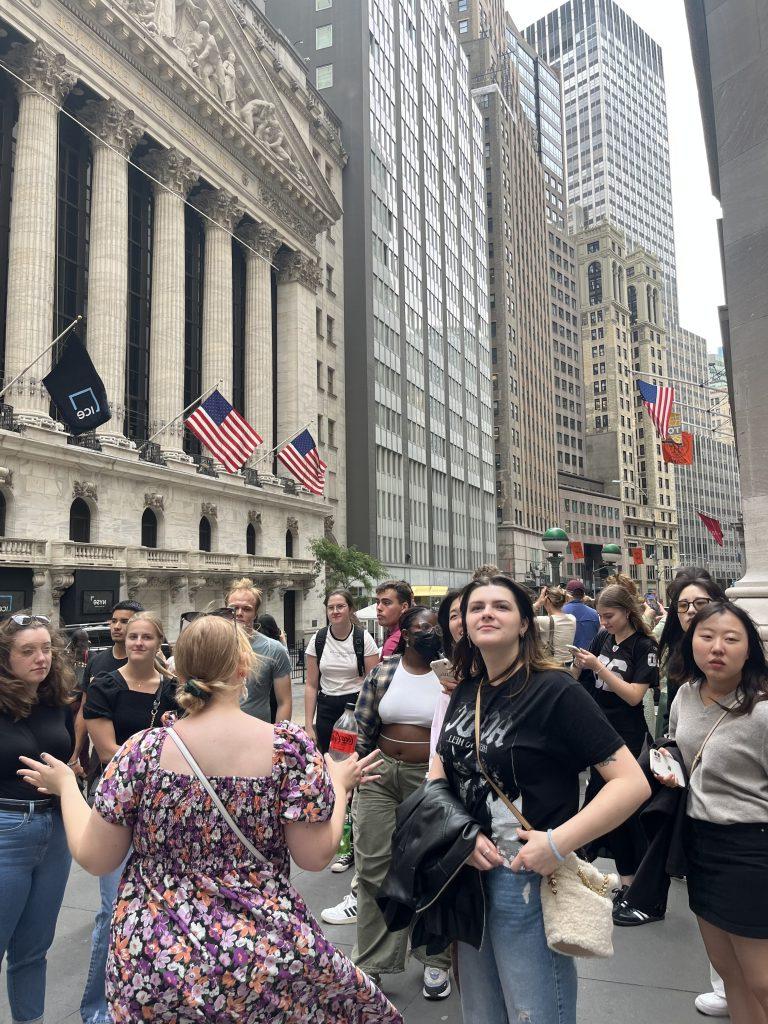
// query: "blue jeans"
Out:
[93,1006]
[515,976]
[34,867]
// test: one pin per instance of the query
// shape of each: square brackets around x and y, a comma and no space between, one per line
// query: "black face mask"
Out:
[428,646]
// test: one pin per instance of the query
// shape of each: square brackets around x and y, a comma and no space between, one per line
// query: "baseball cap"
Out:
[574,587]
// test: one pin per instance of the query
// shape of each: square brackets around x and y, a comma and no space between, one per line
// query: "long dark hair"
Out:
[673,632]
[753,685]
[18,699]
[467,659]
[444,620]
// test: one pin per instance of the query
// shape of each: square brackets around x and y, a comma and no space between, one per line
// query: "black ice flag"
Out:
[77,391]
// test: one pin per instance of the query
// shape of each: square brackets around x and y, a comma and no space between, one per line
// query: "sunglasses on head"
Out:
[227,612]
[25,620]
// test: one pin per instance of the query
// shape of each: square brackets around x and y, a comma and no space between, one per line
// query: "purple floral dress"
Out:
[202,931]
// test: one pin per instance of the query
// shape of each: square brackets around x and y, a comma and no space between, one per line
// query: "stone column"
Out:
[298,282]
[32,240]
[221,214]
[262,244]
[115,135]
[174,175]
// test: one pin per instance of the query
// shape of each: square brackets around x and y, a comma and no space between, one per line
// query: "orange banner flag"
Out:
[577,550]
[681,454]
[637,556]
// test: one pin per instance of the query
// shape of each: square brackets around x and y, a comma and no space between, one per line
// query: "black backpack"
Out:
[358,645]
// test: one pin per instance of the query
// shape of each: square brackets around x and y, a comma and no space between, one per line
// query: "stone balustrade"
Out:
[102,556]
[19,550]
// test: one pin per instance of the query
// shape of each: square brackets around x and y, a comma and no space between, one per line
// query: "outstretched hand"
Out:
[48,775]
[354,771]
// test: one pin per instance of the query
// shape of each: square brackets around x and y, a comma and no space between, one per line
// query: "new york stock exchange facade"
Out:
[168,172]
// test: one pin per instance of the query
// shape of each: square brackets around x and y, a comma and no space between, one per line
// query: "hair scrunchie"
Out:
[194,690]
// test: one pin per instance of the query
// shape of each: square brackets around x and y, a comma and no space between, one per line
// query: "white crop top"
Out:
[410,699]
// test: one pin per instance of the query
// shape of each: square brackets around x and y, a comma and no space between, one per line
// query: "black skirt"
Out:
[727,872]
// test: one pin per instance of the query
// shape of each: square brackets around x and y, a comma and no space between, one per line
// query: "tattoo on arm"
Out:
[607,761]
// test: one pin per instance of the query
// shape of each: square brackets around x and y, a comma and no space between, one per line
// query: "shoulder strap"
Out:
[697,760]
[510,806]
[183,750]
[320,638]
[358,645]
[551,635]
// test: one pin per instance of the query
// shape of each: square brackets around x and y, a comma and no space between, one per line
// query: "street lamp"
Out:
[611,556]
[555,541]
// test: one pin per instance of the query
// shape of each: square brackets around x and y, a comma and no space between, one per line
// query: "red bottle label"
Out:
[343,741]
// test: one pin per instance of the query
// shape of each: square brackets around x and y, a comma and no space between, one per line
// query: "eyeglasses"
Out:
[697,603]
[24,620]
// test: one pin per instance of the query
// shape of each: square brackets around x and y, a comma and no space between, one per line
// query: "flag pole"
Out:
[280,445]
[41,354]
[183,411]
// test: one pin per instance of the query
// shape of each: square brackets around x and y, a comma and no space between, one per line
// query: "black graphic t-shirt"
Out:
[533,744]
[635,660]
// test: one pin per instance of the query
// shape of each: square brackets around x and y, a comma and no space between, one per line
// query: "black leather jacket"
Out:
[428,876]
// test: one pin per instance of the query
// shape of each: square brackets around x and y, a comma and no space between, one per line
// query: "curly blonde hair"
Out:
[208,654]
[17,699]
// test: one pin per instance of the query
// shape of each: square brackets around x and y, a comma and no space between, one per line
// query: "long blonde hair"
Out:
[207,656]
[155,621]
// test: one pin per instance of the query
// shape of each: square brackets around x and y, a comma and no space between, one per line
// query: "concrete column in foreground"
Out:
[221,213]
[46,80]
[299,279]
[115,135]
[262,243]
[173,175]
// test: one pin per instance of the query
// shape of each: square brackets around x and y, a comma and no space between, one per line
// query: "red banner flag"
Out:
[577,550]
[637,556]
[713,525]
[681,454]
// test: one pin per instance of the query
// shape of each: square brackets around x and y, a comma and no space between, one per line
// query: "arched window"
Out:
[80,521]
[288,544]
[655,305]
[2,514]
[149,529]
[204,535]
[632,303]
[250,540]
[595,283]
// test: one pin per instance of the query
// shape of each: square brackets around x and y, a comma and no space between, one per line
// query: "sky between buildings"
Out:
[699,275]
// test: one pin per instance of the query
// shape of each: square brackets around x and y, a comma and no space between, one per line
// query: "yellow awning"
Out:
[429,591]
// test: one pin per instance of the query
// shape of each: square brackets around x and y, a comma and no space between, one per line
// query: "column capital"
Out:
[297,266]
[113,124]
[222,208]
[172,169]
[41,69]
[260,238]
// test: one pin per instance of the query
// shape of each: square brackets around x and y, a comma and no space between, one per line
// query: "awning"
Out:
[429,591]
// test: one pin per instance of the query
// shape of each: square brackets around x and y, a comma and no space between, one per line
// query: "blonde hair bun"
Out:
[211,654]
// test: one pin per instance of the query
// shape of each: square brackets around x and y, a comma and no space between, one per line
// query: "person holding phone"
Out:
[719,721]
[616,671]
[449,620]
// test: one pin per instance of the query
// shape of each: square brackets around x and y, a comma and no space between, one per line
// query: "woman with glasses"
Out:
[36,680]
[117,705]
[394,713]
[208,926]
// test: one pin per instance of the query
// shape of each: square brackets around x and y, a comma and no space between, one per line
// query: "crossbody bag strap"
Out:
[551,635]
[184,751]
[510,806]
[697,759]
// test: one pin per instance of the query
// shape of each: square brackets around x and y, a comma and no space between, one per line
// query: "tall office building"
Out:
[420,487]
[534,307]
[711,483]
[617,144]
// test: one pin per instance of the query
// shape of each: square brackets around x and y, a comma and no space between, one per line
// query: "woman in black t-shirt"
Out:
[538,730]
[616,671]
[36,681]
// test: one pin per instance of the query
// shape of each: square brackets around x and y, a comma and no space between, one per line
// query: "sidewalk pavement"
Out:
[656,973]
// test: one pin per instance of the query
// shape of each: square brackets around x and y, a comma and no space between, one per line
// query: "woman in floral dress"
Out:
[204,930]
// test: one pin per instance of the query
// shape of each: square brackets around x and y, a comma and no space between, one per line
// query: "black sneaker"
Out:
[619,894]
[343,862]
[630,917]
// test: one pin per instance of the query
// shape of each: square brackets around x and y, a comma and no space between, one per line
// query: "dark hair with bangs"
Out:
[673,632]
[444,619]
[467,659]
[753,686]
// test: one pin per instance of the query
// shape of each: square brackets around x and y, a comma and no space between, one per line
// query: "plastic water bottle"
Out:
[344,735]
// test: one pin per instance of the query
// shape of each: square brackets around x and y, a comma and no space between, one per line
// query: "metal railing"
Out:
[298,661]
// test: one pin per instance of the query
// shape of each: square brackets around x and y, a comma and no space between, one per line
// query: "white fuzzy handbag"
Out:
[576,900]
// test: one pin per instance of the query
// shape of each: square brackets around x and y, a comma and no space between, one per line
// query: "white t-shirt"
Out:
[410,698]
[338,666]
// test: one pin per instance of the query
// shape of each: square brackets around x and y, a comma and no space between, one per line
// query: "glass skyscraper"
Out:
[420,450]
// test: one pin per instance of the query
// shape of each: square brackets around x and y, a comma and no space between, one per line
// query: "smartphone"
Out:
[663,763]
[443,668]
[574,650]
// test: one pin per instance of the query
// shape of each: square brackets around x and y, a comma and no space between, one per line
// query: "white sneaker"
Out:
[711,1004]
[437,983]
[343,913]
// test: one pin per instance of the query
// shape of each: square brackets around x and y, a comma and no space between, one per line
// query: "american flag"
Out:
[658,402]
[225,433]
[301,457]
[713,525]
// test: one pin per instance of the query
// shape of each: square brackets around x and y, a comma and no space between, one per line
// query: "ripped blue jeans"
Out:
[515,978]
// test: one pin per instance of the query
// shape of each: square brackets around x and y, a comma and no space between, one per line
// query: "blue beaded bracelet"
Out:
[553,848]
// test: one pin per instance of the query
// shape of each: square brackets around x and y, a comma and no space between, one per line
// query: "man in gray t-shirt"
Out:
[273,666]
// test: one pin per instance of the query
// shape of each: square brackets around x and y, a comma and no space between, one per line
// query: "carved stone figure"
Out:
[85,489]
[207,59]
[229,81]
[255,111]
[165,18]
